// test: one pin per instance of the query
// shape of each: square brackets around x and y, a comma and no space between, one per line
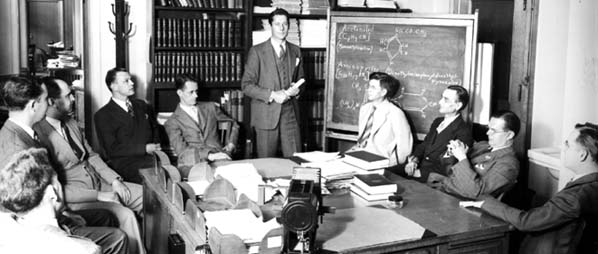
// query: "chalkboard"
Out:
[425,53]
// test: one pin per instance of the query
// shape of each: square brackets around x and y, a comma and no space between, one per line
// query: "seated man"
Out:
[87,179]
[555,226]
[194,125]
[489,168]
[30,198]
[27,104]
[383,127]
[427,156]
[127,128]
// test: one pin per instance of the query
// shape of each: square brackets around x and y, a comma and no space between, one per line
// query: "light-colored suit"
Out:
[260,79]
[184,133]
[85,178]
[390,135]
[14,139]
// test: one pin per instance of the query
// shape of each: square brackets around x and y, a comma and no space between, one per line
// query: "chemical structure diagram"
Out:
[425,104]
[393,47]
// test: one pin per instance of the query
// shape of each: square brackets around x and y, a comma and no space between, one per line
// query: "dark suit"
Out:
[431,150]
[263,75]
[184,133]
[123,137]
[551,227]
[14,139]
[486,173]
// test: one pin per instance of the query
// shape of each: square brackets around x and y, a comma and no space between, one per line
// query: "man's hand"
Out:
[218,156]
[151,148]
[122,190]
[108,196]
[229,148]
[411,165]
[458,149]
[279,96]
[72,220]
[435,180]
[292,91]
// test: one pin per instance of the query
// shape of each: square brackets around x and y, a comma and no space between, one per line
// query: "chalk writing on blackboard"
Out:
[425,57]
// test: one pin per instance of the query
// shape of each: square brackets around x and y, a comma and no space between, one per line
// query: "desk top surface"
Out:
[438,212]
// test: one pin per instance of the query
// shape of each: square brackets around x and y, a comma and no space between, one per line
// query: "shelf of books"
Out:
[307,29]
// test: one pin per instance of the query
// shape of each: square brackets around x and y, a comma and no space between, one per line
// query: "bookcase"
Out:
[305,26]
[207,39]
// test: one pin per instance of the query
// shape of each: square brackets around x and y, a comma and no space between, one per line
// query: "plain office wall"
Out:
[565,87]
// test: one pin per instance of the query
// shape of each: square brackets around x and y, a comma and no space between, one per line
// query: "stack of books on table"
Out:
[373,187]
[367,161]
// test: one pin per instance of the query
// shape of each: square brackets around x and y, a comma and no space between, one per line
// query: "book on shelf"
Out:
[369,197]
[366,160]
[374,184]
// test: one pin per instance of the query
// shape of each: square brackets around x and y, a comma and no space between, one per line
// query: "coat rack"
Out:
[121,9]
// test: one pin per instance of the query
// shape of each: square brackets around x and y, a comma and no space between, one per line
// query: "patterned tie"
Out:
[130,108]
[76,149]
[282,52]
[363,140]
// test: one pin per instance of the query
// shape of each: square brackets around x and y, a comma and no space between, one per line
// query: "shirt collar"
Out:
[190,110]
[55,123]
[23,126]
[276,45]
[449,120]
[121,103]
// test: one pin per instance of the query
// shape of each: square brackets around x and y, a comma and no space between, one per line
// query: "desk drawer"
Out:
[436,249]
[490,246]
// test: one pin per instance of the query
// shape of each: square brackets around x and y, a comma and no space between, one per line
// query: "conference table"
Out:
[357,226]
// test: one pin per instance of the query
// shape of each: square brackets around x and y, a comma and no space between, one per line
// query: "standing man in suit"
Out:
[489,167]
[88,182]
[271,71]
[427,156]
[194,125]
[383,127]
[127,128]
[27,104]
[554,227]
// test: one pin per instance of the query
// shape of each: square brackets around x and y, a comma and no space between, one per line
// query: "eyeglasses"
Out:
[494,131]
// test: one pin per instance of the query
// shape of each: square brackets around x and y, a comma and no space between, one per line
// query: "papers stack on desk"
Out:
[351,3]
[244,177]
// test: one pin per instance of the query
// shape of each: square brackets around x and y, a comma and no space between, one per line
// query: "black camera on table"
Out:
[301,211]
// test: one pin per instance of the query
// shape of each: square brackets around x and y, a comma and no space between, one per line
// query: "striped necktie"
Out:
[282,52]
[76,149]
[363,140]
[130,108]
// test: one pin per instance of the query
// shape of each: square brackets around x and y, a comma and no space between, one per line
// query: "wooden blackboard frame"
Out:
[469,22]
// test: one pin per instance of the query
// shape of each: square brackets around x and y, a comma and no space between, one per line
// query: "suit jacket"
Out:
[390,135]
[486,173]
[81,177]
[431,150]
[14,139]
[551,227]
[123,137]
[261,78]
[184,133]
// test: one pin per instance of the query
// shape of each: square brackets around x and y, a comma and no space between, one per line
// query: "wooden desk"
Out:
[453,229]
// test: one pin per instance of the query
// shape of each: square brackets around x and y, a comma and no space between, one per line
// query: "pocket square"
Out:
[297,61]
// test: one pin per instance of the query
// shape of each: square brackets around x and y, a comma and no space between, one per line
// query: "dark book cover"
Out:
[298,160]
[374,180]
[366,156]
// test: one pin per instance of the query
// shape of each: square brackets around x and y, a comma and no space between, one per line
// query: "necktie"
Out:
[363,140]
[76,149]
[282,52]
[130,109]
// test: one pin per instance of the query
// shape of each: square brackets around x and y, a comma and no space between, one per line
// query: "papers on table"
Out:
[317,156]
[242,223]
[243,176]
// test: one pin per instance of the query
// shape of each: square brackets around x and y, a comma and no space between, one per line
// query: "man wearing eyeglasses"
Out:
[489,167]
